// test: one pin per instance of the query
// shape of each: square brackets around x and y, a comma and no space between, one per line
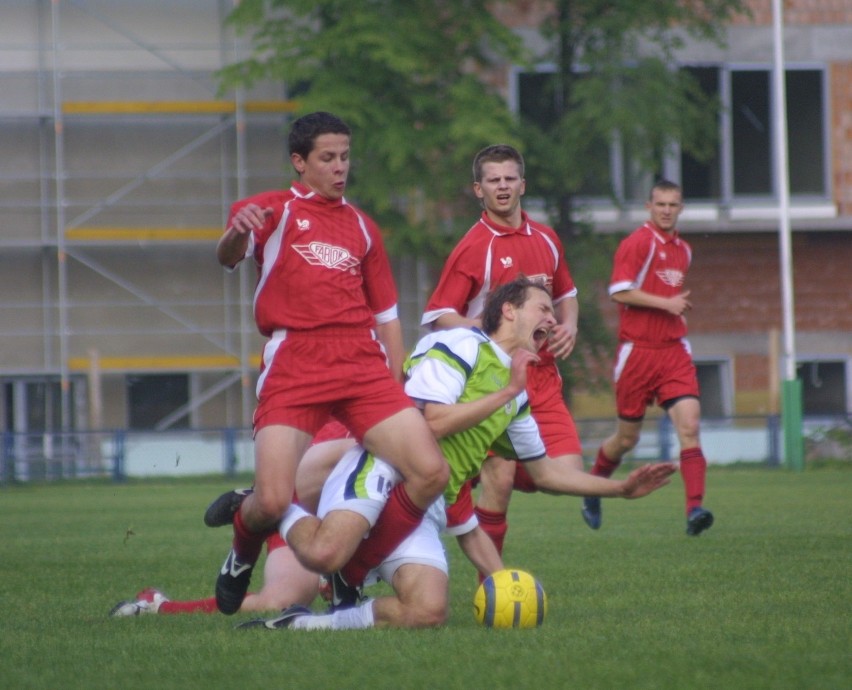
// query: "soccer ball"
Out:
[510,599]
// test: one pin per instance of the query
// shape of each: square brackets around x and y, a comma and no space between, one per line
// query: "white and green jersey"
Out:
[460,365]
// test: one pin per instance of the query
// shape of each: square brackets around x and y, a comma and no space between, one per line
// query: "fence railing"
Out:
[119,454]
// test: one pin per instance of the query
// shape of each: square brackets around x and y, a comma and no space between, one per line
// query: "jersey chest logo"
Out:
[506,261]
[671,277]
[321,254]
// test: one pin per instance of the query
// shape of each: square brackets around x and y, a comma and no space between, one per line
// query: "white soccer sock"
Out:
[356,618]
[291,516]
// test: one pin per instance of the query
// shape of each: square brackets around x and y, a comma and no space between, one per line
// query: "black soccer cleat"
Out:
[283,620]
[222,510]
[343,595]
[699,519]
[232,584]
[591,511]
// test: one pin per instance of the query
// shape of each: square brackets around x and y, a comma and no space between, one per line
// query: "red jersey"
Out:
[656,262]
[490,255]
[320,263]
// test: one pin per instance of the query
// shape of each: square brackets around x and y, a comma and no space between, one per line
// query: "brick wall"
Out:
[800,12]
[735,281]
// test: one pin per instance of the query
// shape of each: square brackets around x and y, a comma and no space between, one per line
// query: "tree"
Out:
[411,79]
[615,81]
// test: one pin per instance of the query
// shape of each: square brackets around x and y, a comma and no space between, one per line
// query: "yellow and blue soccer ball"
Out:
[510,599]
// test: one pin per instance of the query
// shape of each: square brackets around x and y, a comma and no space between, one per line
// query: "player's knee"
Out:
[498,476]
[432,481]
[265,508]
[426,614]
[626,442]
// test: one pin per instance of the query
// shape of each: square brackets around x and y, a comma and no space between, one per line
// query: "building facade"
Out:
[120,160]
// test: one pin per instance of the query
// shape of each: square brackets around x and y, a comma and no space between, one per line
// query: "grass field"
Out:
[762,600]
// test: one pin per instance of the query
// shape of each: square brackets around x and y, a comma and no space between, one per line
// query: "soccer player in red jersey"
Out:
[326,300]
[504,243]
[654,361]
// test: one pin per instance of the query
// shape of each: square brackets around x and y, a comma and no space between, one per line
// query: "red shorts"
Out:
[558,431]
[462,510]
[644,375]
[309,376]
[332,431]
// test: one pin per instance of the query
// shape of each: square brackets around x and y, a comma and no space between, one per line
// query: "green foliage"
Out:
[412,78]
[759,601]
[615,78]
[405,75]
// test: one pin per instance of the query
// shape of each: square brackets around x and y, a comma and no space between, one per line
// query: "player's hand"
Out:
[679,304]
[250,217]
[518,371]
[648,478]
[561,340]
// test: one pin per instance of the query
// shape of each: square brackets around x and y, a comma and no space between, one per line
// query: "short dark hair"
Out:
[664,185]
[515,293]
[496,153]
[305,130]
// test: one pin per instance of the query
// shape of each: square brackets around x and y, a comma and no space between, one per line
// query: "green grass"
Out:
[762,600]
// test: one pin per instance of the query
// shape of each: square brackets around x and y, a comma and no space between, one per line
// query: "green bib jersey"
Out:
[460,365]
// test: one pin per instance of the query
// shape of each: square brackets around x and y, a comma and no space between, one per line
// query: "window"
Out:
[741,165]
[151,398]
[823,387]
[703,179]
[34,405]
[752,132]
[713,382]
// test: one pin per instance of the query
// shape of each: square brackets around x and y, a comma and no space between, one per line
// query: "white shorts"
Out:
[422,547]
[360,482]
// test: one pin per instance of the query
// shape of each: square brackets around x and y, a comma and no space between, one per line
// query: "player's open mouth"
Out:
[540,336]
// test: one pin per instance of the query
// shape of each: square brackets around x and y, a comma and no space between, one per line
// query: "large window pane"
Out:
[752,132]
[702,179]
[805,132]
[711,383]
[823,387]
[151,398]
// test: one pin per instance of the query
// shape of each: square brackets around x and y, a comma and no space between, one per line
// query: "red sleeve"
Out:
[379,285]
[629,258]
[461,279]
[563,282]
[273,199]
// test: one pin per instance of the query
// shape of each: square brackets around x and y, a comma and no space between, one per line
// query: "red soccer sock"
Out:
[604,467]
[197,606]
[398,519]
[248,544]
[693,469]
[494,525]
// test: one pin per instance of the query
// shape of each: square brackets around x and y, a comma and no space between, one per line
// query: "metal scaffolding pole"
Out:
[61,256]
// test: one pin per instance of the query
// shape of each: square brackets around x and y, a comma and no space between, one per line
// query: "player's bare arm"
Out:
[558,478]
[233,243]
[445,419]
[676,305]
[390,336]
[454,320]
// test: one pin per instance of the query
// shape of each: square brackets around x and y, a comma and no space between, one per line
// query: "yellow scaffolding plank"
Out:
[160,363]
[173,107]
[130,234]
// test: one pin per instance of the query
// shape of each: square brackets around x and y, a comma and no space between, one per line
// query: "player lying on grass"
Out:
[285,581]
[470,385]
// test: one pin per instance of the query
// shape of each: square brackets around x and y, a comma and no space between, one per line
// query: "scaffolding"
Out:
[121,161]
